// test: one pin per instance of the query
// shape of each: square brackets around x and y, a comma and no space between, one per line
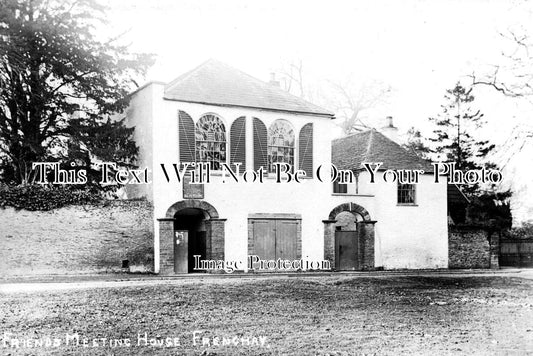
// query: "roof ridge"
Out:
[351,135]
[186,74]
[403,148]
[374,146]
[369,144]
[272,87]
[260,83]
[217,83]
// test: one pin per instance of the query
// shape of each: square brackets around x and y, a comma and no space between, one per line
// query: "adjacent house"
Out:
[410,229]
[220,117]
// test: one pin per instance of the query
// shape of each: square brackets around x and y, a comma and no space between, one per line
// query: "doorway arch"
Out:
[359,243]
[351,207]
[190,227]
[193,204]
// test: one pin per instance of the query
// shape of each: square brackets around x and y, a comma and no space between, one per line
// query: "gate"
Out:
[516,253]
[346,250]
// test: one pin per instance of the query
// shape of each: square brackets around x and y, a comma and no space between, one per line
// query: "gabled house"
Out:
[218,116]
[411,219]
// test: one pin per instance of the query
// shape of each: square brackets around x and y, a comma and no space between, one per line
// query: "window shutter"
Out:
[306,149]
[260,144]
[186,137]
[238,143]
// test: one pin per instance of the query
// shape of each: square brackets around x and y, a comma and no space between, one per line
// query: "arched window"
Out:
[280,144]
[210,136]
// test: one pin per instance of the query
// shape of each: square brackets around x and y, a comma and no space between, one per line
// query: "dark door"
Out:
[181,242]
[196,247]
[190,228]
[346,250]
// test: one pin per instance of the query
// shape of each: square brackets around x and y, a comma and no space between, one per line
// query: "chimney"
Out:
[273,80]
[389,129]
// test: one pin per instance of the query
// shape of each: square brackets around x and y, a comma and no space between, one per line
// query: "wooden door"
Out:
[196,247]
[181,242]
[286,247]
[264,233]
[275,238]
[346,250]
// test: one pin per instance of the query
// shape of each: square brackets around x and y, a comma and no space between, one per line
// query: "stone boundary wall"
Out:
[116,236]
[468,247]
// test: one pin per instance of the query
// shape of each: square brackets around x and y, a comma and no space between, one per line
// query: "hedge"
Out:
[40,197]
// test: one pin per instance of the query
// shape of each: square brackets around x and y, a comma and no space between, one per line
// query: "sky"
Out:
[417,48]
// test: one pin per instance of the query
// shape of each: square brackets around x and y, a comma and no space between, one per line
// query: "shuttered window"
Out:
[186,137]
[260,144]
[280,144]
[306,149]
[238,143]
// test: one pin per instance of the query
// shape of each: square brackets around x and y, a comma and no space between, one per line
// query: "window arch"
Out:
[210,134]
[280,144]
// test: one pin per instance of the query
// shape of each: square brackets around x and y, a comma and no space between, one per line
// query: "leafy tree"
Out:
[109,141]
[59,83]
[453,139]
[416,143]
[491,209]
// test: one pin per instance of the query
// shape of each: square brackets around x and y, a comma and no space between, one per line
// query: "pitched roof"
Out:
[455,195]
[216,83]
[372,146]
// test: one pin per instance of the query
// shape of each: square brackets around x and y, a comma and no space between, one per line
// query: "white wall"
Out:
[235,201]
[406,236]
[145,106]
[140,114]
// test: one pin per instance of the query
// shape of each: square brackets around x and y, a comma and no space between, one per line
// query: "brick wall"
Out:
[166,246]
[77,239]
[329,241]
[365,235]
[215,239]
[469,247]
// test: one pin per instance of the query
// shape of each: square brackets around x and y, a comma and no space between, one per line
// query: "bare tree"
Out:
[513,76]
[292,77]
[521,135]
[350,102]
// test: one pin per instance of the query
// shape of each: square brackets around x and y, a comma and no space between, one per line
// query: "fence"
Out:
[516,253]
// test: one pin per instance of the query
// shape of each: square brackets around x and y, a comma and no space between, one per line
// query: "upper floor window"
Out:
[340,185]
[406,194]
[340,188]
[280,144]
[210,135]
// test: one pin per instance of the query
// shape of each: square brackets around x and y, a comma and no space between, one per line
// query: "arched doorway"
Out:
[346,246]
[190,224]
[190,227]
[349,238]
